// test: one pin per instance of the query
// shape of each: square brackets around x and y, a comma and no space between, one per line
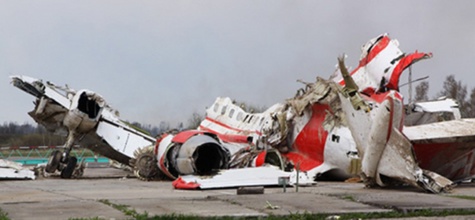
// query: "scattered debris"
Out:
[270,206]
[15,171]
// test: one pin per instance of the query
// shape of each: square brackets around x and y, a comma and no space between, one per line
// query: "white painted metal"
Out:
[253,176]
[13,170]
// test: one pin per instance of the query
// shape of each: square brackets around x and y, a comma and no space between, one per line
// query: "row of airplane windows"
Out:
[250,119]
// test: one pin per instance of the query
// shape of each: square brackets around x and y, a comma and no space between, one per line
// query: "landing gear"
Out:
[53,162]
[61,162]
[67,171]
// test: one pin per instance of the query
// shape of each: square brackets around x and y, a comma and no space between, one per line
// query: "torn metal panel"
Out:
[256,176]
[443,105]
[386,152]
[447,147]
[317,141]
[432,111]
[381,145]
[381,65]
[13,170]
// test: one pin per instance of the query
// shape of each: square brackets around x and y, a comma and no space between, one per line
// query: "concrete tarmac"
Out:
[103,191]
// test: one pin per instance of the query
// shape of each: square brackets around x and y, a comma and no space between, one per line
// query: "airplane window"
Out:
[245,118]
[239,116]
[262,121]
[223,110]
[256,120]
[231,113]
[216,107]
[249,121]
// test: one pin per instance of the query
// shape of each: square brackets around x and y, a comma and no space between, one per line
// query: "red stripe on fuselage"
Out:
[309,145]
[228,127]
[402,65]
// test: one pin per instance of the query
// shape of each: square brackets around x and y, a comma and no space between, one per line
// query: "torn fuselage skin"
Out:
[298,136]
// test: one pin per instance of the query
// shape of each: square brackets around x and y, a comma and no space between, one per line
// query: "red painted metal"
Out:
[310,143]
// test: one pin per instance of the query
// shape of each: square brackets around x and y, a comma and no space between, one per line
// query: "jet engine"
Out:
[191,152]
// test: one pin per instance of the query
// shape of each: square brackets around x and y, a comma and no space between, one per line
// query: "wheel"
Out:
[67,172]
[53,161]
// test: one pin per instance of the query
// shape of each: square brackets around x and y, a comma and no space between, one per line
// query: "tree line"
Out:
[26,134]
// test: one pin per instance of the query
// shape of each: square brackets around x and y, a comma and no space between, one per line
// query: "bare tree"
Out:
[163,126]
[471,112]
[195,120]
[422,91]
[455,90]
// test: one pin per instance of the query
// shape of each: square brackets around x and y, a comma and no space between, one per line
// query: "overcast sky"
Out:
[163,60]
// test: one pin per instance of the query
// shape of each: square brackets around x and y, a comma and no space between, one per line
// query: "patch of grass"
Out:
[125,209]
[187,217]
[93,218]
[396,214]
[303,216]
[309,216]
[3,215]
[462,197]
[349,198]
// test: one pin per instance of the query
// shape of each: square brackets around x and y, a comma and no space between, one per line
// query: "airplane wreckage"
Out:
[353,124]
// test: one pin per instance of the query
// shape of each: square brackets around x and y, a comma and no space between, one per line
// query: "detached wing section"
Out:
[120,136]
[447,148]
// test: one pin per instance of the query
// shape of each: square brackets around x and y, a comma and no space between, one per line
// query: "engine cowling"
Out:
[201,154]
[191,152]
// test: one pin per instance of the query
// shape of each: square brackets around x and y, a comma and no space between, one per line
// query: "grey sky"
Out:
[163,60]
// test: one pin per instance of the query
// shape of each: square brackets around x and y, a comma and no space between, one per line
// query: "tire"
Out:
[67,172]
[53,161]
